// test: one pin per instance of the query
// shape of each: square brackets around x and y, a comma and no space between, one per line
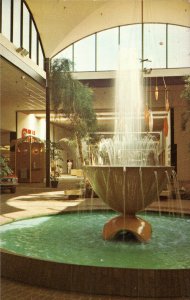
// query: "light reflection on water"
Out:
[77,238]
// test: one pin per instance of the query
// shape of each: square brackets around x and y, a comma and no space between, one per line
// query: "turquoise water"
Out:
[77,238]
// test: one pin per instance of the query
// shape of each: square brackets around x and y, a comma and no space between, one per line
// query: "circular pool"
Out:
[74,240]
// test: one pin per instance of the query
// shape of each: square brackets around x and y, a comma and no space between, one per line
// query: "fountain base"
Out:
[140,228]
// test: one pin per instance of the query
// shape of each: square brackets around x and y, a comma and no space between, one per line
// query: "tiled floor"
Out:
[34,199]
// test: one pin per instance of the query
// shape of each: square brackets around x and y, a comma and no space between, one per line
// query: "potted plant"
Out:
[55,158]
[8,181]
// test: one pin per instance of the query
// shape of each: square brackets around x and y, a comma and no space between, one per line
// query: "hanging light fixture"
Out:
[150,114]
[151,121]
[165,125]
[156,91]
[146,114]
[167,104]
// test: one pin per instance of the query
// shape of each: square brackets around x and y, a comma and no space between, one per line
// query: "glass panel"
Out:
[131,38]
[40,56]
[155,45]
[66,53]
[34,44]
[6,18]
[26,18]
[107,49]
[178,46]
[84,54]
[16,22]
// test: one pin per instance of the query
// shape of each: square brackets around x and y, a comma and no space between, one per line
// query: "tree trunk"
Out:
[79,143]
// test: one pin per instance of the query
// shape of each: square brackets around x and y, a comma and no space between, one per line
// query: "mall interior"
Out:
[89,33]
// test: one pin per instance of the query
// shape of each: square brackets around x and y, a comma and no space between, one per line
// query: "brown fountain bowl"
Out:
[128,189]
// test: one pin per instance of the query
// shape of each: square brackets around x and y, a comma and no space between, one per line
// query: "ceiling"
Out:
[63,16]
[17,85]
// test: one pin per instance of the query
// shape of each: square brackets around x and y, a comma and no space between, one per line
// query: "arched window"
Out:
[107,49]
[178,46]
[84,54]
[163,45]
[155,45]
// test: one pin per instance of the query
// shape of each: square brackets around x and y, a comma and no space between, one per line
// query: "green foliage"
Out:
[55,158]
[73,100]
[61,86]
[4,168]
[185,116]
[186,92]
[55,148]
[93,139]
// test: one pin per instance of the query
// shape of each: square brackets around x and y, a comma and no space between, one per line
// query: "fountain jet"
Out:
[126,175]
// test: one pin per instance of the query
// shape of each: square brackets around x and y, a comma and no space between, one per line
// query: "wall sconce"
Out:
[22,51]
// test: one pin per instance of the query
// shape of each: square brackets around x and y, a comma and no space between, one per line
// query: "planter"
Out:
[54,183]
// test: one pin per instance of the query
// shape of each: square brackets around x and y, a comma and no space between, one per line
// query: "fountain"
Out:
[126,174]
[66,251]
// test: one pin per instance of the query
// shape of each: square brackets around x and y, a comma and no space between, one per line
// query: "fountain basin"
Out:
[128,190]
[158,269]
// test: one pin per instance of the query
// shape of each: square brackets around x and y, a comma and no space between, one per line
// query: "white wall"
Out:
[30,122]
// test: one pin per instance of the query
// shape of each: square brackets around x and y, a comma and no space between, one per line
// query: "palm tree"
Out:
[74,101]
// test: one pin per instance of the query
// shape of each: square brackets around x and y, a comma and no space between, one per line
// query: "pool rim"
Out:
[81,278]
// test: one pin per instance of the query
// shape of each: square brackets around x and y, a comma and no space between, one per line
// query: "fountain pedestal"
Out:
[140,228]
[128,190]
